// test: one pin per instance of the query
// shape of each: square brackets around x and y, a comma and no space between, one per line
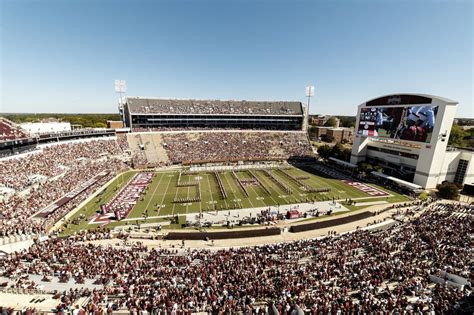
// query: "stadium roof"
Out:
[398,181]
[139,105]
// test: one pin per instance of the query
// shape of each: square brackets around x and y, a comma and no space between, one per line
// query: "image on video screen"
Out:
[413,123]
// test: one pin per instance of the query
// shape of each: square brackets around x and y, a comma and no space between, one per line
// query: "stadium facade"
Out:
[407,134]
[150,113]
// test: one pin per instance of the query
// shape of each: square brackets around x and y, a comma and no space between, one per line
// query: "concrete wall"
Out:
[434,160]
[468,156]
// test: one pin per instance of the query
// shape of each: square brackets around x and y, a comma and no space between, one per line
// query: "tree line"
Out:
[84,120]
[461,138]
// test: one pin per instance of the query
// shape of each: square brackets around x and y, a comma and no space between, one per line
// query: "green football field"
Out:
[158,201]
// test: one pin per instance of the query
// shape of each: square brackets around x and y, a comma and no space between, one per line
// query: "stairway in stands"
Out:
[154,152]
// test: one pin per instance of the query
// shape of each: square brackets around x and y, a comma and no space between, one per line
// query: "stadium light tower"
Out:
[309,94]
[121,87]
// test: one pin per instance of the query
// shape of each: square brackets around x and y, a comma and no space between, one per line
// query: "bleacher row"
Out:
[10,131]
[36,180]
[19,238]
[206,107]
[195,147]
[420,266]
[24,291]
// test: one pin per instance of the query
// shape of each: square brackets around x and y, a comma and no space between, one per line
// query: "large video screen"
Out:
[414,123]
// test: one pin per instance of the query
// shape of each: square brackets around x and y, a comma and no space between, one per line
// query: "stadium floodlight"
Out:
[309,93]
[121,87]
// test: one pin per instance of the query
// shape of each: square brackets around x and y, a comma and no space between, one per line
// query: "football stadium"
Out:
[265,158]
[123,219]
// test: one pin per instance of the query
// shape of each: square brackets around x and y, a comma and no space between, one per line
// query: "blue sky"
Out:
[63,56]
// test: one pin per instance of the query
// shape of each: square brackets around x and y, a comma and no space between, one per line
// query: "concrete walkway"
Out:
[234,216]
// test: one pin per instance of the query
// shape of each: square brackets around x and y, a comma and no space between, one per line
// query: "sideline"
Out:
[375,221]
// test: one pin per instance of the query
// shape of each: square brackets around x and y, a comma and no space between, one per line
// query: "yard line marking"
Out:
[256,193]
[210,189]
[164,195]
[208,180]
[153,194]
[187,196]
[230,186]
[249,199]
[174,204]
[232,189]
[258,196]
[200,206]
[270,187]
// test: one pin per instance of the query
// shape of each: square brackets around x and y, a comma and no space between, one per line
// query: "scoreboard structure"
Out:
[407,135]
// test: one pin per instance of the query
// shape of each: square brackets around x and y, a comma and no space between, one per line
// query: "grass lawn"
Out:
[158,200]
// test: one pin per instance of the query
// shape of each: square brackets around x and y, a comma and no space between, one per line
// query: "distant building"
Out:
[339,134]
[321,120]
[114,124]
[317,121]
[319,131]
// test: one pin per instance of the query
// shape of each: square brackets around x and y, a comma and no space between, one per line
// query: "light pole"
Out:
[309,93]
[121,87]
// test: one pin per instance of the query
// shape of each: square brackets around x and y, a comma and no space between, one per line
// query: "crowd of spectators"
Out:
[383,271]
[61,168]
[71,133]
[187,128]
[190,128]
[10,131]
[235,146]
[212,107]
[379,271]
[123,142]
[19,172]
